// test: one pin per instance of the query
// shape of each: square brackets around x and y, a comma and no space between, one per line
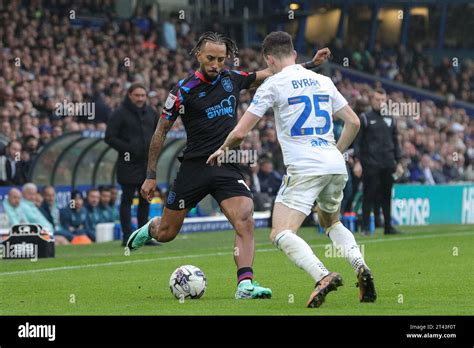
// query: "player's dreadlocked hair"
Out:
[217,38]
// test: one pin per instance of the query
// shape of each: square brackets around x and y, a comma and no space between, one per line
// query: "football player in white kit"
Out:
[303,103]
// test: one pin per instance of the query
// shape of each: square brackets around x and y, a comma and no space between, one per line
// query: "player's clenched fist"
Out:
[148,188]
[321,56]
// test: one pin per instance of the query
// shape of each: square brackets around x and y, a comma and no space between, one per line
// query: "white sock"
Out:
[301,254]
[344,240]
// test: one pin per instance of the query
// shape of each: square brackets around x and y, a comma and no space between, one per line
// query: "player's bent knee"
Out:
[326,219]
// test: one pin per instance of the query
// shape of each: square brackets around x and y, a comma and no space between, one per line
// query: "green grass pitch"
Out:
[425,271]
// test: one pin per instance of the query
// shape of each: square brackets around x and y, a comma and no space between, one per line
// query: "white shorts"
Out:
[300,192]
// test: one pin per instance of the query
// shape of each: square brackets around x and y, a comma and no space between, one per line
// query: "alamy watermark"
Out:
[28,330]
[332,251]
[239,156]
[83,109]
[19,251]
[402,109]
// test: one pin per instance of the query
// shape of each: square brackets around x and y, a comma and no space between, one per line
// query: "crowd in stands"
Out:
[453,77]
[79,218]
[45,60]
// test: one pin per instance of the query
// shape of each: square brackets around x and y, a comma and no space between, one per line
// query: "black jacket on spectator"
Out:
[102,110]
[269,183]
[6,178]
[129,131]
[376,145]
[44,209]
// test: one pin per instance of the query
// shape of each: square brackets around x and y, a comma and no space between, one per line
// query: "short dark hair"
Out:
[92,189]
[76,193]
[47,187]
[134,86]
[265,159]
[277,43]
[380,90]
[29,137]
[103,188]
[14,141]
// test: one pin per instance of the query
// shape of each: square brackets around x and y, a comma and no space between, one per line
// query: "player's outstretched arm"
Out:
[351,127]
[319,58]
[156,145]
[245,125]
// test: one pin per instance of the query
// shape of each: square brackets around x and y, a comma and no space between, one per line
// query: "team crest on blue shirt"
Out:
[227,84]
[171,197]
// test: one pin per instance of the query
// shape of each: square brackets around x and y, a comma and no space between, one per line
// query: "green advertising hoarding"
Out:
[438,204]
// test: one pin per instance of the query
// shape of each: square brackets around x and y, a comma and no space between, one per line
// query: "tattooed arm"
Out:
[157,141]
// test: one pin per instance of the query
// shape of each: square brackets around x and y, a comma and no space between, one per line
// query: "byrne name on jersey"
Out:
[304,83]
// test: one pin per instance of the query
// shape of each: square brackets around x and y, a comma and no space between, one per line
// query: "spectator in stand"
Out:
[31,211]
[106,212]
[57,132]
[339,52]
[143,20]
[412,66]
[102,110]
[50,211]
[416,171]
[11,166]
[450,170]
[114,203]
[45,136]
[169,34]
[5,130]
[437,172]
[262,200]
[269,179]
[426,165]
[469,172]
[272,148]
[361,57]
[93,214]
[12,207]
[38,200]
[254,180]
[74,217]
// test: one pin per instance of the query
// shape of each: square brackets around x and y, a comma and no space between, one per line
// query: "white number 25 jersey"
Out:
[303,103]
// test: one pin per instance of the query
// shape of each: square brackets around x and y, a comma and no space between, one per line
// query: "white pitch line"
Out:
[116,263]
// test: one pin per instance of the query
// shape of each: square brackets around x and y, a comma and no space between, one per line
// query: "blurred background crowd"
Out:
[44,60]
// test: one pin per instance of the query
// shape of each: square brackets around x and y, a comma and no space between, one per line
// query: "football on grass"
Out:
[188,282]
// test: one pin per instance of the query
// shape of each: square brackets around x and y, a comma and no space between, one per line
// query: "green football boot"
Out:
[139,237]
[251,289]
